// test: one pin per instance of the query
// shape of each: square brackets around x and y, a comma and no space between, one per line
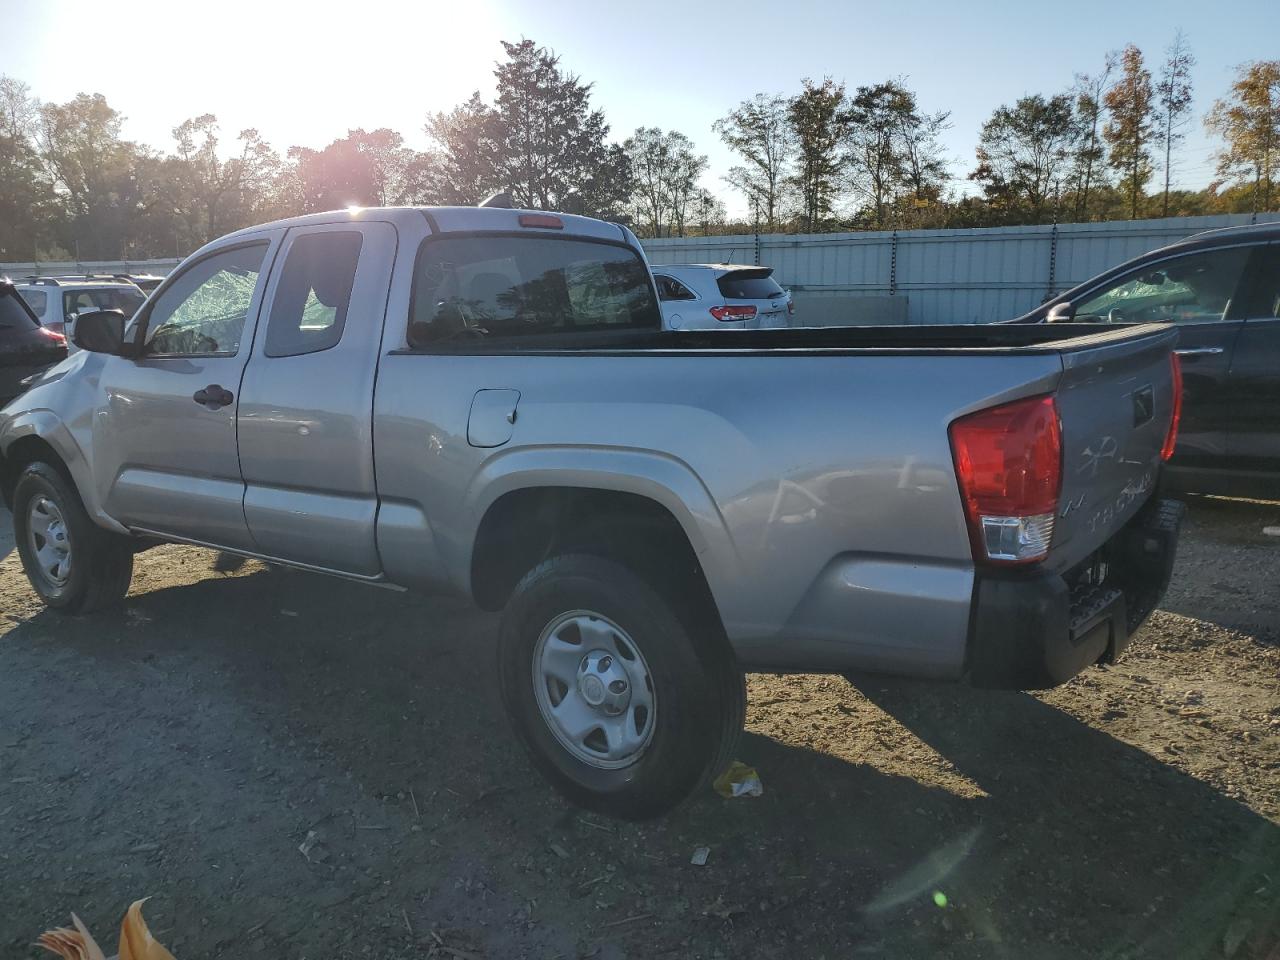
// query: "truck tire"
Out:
[73,564]
[624,708]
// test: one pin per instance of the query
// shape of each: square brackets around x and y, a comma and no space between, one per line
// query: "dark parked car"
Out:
[25,346]
[1222,290]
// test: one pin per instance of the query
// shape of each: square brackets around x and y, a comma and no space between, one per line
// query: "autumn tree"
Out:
[759,131]
[1024,153]
[1128,132]
[1248,120]
[1173,104]
[819,117]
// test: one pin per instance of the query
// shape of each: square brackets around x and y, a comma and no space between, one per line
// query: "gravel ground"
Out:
[185,748]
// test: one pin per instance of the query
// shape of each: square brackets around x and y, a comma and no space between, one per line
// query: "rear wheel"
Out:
[73,564]
[625,705]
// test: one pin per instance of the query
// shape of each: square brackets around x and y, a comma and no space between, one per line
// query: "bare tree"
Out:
[1089,91]
[1173,103]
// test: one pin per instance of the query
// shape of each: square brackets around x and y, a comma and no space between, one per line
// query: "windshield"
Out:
[127,299]
[512,286]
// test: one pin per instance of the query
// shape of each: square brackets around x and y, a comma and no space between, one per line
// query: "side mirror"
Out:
[1060,313]
[100,331]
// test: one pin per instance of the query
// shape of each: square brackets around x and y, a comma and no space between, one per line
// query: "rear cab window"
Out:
[501,286]
[749,285]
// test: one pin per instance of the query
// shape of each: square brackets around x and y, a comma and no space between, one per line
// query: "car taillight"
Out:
[1009,463]
[727,312]
[791,307]
[53,335]
[1171,438]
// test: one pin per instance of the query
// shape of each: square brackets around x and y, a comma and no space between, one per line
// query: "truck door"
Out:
[1253,443]
[165,433]
[306,404]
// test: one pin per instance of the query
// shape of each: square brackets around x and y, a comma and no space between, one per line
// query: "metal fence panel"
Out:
[948,276]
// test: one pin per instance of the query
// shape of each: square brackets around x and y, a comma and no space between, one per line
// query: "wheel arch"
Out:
[532,503]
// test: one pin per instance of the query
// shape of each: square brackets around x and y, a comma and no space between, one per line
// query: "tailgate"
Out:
[1115,401]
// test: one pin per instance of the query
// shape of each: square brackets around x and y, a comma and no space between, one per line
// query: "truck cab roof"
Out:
[460,220]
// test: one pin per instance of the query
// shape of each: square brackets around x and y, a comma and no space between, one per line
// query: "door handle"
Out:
[213,396]
[1198,351]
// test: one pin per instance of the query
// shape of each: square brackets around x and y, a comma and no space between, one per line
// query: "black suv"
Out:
[26,347]
[1222,289]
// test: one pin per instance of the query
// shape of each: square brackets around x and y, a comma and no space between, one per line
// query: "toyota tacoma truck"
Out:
[482,401]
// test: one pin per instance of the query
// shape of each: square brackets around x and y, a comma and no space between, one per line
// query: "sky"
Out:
[305,73]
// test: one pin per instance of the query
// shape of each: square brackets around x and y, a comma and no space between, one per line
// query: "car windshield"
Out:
[127,299]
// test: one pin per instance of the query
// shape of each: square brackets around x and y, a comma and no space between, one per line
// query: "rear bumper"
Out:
[1032,631]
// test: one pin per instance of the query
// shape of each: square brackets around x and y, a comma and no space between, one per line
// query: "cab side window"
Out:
[1194,288]
[203,311]
[309,309]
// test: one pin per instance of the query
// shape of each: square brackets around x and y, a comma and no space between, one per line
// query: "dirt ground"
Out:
[185,747]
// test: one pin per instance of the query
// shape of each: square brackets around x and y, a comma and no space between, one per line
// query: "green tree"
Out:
[1249,122]
[1173,104]
[1128,132]
[28,205]
[209,194]
[708,211]
[96,173]
[891,147]
[818,117]
[467,140]
[759,131]
[549,143]
[1024,153]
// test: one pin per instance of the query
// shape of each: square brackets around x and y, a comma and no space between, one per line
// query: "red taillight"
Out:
[791,307]
[727,312]
[544,220]
[53,335]
[1171,438]
[1009,463]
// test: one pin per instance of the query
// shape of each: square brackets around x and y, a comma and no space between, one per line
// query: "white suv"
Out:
[719,296]
[56,300]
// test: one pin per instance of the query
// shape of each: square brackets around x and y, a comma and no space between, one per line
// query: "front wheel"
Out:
[74,565]
[624,708]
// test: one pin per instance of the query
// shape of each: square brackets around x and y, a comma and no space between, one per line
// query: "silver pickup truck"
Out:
[483,402]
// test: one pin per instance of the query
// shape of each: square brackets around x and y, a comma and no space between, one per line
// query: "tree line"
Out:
[826,158]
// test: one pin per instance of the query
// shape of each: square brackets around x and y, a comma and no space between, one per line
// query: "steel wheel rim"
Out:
[49,540]
[594,689]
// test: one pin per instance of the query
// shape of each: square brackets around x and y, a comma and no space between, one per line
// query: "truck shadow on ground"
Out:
[222,722]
